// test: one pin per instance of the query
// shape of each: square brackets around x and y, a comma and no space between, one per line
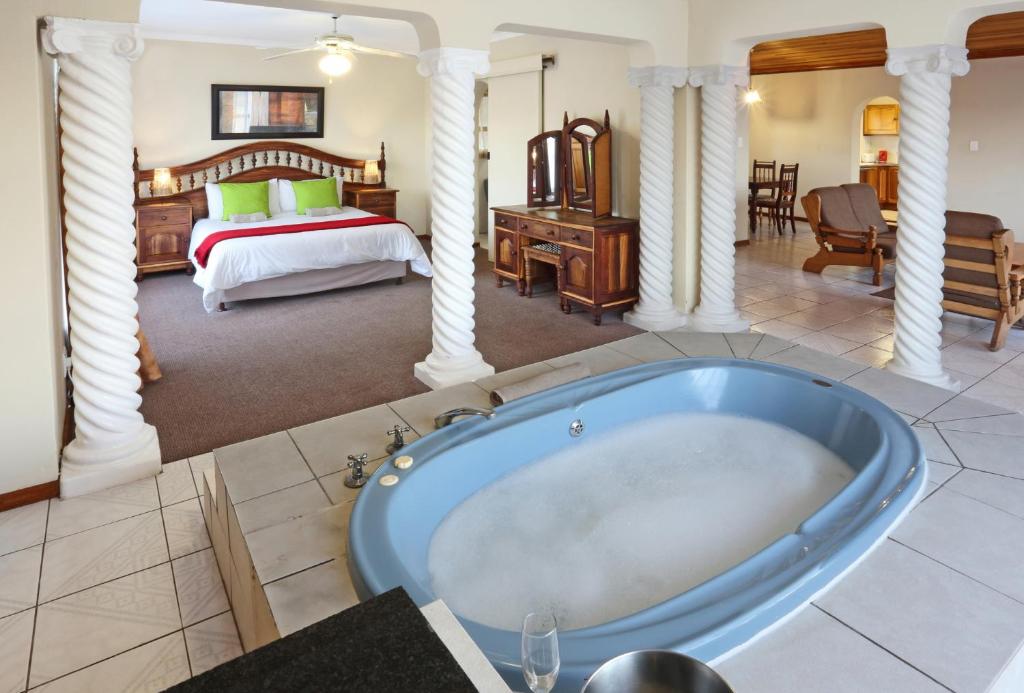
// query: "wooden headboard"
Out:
[249,163]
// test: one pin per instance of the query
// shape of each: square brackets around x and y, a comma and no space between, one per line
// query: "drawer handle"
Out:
[550,232]
[163,218]
[522,227]
[575,236]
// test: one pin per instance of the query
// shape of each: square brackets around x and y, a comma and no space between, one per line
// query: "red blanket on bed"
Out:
[204,249]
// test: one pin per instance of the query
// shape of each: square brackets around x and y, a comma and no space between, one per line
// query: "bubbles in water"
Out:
[620,521]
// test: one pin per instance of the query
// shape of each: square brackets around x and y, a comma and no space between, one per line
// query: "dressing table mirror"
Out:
[588,165]
[544,170]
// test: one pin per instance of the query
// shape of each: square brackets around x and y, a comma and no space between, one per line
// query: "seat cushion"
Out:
[836,210]
[972,225]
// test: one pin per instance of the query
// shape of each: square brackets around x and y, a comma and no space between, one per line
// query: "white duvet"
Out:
[239,261]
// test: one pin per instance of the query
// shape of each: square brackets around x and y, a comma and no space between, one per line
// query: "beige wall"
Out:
[814,119]
[31,377]
[380,99]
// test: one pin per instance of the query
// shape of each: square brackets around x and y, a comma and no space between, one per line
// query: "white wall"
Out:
[380,99]
[814,118]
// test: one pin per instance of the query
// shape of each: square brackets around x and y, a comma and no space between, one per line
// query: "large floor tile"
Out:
[769,346]
[298,544]
[599,359]
[260,466]
[15,650]
[988,452]
[939,473]
[935,447]
[972,537]
[996,392]
[827,343]
[870,356]
[975,358]
[965,406]
[23,527]
[280,506]
[743,344]
[998,491]
[814,649]
[513,375]
[781,329]
[176,483]
[186,529]
[698,344]
[816,362]
[646,347]
[1001,424]
[327,444]
[304,598]
[19,580]
[902,394]
[83,628]
[97,555]
[945,624]
[151,667]
[212,642]
[199,586]
[103,507]
[419,410]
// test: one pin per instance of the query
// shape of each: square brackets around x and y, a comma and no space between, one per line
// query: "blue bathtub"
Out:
[391,526]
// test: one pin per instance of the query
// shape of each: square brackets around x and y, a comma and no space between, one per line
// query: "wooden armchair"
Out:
[978,278]
[848,225]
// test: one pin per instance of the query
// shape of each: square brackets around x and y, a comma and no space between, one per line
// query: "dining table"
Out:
[755,186]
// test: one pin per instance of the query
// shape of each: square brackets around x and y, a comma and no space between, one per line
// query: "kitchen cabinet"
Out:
[882,119]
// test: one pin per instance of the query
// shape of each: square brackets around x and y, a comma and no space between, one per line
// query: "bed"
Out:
[285,264]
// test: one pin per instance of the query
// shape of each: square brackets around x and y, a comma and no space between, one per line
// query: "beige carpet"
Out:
[272,364]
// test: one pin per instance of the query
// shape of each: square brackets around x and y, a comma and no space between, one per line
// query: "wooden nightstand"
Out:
[381,201]
[162,234]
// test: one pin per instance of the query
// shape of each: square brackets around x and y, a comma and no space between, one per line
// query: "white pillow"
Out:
[285,196]
[275,196]
[214,201]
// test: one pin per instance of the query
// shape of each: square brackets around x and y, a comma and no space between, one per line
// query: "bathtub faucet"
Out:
[442,420]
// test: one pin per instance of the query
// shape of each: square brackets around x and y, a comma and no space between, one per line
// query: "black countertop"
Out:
[381,645]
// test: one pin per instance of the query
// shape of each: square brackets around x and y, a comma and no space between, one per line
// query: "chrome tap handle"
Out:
[398,431]
[356,478]
[445,419]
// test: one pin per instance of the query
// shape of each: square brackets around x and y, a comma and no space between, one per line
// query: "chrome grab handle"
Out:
[445,419]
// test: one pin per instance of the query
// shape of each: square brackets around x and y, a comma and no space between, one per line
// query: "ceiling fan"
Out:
[339,51]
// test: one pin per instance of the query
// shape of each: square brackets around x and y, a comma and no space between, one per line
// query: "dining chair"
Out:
[764,172]
[785,200]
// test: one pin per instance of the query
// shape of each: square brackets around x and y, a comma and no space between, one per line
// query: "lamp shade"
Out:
[161,180]
[371,172]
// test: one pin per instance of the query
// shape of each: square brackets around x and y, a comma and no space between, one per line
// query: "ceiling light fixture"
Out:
[751,96]
[336,64]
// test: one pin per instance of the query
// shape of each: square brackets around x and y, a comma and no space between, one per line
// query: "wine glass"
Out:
[540,652]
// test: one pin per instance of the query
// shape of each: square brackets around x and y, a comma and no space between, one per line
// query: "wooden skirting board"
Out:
[27,496]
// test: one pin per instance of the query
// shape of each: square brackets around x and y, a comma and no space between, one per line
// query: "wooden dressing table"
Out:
[569,205]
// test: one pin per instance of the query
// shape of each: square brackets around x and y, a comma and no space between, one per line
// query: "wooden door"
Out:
[578,272]
[882,119]
[892,186]
[506,252]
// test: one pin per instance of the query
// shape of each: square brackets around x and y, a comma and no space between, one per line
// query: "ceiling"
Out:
[209,21]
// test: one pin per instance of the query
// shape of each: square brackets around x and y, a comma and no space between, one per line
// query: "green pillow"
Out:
[245,198]
[322,192]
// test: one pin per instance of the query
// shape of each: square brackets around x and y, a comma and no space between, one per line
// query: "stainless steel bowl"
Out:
[655,671]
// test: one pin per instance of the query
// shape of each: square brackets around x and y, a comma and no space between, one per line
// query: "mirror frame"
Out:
[557,165]
[598,177]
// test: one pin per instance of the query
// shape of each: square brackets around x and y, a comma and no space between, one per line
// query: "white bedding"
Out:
[243,260]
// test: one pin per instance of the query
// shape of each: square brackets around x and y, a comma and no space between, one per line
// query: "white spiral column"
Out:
[656,309]
[112,445]
[454,358]
[926,76]
[716,311]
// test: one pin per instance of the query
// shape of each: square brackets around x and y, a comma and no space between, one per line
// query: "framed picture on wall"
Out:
[246,111]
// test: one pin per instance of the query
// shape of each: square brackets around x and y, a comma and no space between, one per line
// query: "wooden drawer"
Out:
[159,244]
[164,216]
[505,221]
[581,237]
[539,229]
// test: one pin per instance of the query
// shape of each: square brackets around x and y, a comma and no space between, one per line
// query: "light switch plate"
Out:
[974,145]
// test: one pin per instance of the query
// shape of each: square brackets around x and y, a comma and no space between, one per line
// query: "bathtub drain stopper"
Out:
[576,428]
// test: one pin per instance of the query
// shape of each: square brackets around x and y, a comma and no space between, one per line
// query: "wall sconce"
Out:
[371,172]
[161,181]
[751,96]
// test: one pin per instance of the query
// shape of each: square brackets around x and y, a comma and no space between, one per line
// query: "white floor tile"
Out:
[175,483]
[814,361]
[19,580]
[200,464]
[199,586]
[902,394]
[770,345]
[697,344]
[988,452]
[939,473]
[870,356]
[293,546]
[998,491]
[1002,424]
[599,359]
[945,624]
[814,648]
[513,375]
[997,393]
[646,347]
[212,642]
[827,343]
[23,527]
[281,506]
[83,628]
[100,508]
[186,529]
[151,667]
[965,406]
[261,465]
[15,650]
[935,447]
[100,554]
[781,329]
